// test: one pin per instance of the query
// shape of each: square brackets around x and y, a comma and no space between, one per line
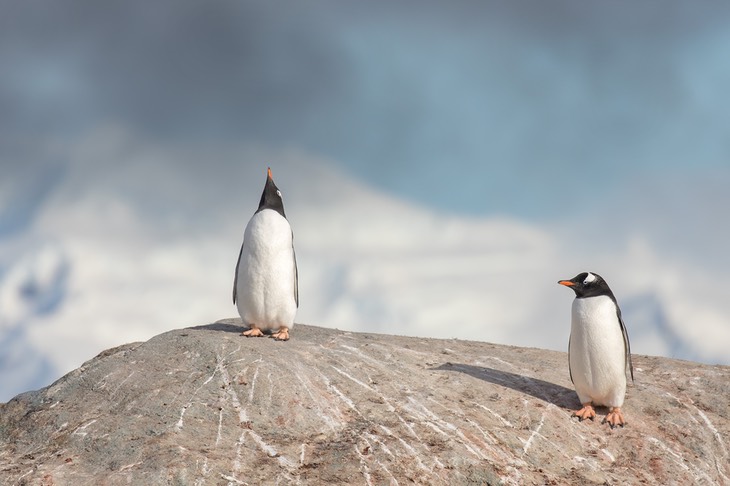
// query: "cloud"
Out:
[528,101]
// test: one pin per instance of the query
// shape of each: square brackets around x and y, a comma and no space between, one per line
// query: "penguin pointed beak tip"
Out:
[567,283]
[268,173]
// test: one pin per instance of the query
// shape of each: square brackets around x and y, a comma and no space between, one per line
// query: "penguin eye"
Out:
[278,193]
[589,278]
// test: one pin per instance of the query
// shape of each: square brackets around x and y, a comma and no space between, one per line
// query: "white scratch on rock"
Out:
[433,426]
[237,460]
[242,415]
[101,384]
[30,471]
[718,437]
[609,455]
[393,481]
[383,446]
[253,384]
[515,476]
[433,418]
[343,373]
[502,419]
[130,466]
[83,427]
[502,361]
[231,479]
[534,432]
[409,426]
[678,457]
[588,462]
[348,401]
[234,351]
[218,366]
[714,431]
[407,447]
[220,426]
[363,466]
[323,414]
[380,363]
[204,469]
[122,383]
[179,424]
[271,388]
[680,461]
[269,450]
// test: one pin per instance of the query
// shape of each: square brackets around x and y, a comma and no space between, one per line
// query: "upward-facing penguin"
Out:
[598,351]
[265,286]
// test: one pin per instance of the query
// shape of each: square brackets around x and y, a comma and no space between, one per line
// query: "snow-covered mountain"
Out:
[125,238]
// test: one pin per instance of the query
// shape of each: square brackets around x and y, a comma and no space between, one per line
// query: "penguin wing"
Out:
[296,274]
[569,368]
[627,346]
[235,277]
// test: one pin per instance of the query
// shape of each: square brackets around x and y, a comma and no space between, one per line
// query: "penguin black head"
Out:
[271,197]
[588,284]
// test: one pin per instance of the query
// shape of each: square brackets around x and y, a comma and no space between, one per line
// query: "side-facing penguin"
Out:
[598,351]
[265,287]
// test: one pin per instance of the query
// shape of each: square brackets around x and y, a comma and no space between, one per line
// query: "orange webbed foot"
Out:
[615,417]
[253,332]
[282,334]
[587,412]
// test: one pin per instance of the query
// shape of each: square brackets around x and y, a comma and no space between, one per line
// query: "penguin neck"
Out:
[278,208]
[605,292]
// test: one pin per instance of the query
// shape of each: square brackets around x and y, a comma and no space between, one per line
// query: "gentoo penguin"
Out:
[265,287]
[598,350]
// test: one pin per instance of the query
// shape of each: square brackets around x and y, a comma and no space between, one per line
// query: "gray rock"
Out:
[205,406]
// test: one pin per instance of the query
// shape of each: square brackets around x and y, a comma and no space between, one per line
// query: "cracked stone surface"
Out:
[206,406]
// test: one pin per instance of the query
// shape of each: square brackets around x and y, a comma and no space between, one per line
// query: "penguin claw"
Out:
[281,335]
[614,418]
[587,412]
[253,332]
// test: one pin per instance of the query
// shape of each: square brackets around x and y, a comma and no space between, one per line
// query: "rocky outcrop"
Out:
[206,406]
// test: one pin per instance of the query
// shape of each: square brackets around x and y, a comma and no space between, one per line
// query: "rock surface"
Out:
[206,406]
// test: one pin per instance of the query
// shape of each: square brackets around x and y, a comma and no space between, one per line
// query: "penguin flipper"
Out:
[569,368]
[296,275]
[235,277]
[627,346]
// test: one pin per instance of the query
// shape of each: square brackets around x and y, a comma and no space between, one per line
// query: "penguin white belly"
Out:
[266,273]
[597,353]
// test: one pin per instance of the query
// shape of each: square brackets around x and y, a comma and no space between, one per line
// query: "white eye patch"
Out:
[278,193]
[589,278]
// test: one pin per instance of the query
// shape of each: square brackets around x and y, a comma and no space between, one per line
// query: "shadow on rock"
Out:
[544,390]
[222,326]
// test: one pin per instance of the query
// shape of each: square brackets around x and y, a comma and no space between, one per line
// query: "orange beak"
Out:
[567,283]
[268,173]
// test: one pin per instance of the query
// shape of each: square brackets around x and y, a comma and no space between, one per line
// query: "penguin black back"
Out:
[271,197]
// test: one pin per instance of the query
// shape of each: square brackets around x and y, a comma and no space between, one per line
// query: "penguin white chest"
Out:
[597,352]
[266,281]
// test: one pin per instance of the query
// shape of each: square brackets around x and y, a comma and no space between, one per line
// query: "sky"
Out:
[442,165]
